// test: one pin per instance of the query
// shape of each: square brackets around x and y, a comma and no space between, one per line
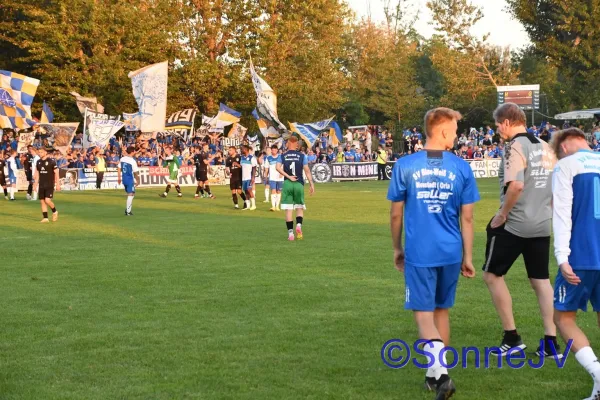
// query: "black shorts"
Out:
[235,184]
[503,248]
[2,180]
[45,193]
[202,176]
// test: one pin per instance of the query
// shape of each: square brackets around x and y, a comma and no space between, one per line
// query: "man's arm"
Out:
[396,226]
[253,176]
[310,180]
[137,178]
[562,225]
[514,175]
[468,236]
[36,178]
[282,172]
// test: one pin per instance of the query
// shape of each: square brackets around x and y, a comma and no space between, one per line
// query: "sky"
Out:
[503,29]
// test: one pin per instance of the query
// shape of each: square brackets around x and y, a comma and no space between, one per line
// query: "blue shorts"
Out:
[246,186]
[129,187]
[12,180]
[428,288]
[569,297]
[276,185]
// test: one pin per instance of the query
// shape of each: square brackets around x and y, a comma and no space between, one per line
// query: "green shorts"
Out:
[292,196]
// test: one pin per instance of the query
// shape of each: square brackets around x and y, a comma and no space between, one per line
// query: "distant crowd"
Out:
[360,144]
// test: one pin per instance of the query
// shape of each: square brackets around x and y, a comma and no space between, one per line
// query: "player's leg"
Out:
[207,189]
[300,207]
[273,188]
[44,207]
[502,250]
[536,254]
[242,196]
[421,287]
[48,200]
[129,206]
[567,300]
[13,187]
[287,204]
[167,189]
[251,194]
[267,191]
[29,186]
[278,199]
[178,188]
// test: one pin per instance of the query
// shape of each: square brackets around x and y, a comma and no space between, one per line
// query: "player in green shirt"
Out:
[173,163]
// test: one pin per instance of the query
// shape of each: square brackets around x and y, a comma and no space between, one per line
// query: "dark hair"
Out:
[130,150]
[561,136]
[274,147]
[510,112]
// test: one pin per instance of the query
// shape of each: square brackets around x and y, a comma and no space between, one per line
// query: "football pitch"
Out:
[190,299]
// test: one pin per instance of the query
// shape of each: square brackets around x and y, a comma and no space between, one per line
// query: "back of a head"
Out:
[511,112]
[560,137]
[439,116]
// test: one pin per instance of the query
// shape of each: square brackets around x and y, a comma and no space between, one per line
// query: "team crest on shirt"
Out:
[46,163]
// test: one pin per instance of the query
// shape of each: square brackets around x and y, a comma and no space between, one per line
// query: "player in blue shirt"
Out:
[576,226]
[291,165]
[128,173]
[438,191]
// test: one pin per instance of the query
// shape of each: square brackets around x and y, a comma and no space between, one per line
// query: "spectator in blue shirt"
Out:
[358,156]
[595,145]
[311,157]
[330,155]
[90,161]
[349,154]
[79,162]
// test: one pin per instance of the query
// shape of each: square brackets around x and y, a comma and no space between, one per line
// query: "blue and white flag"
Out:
[150,92]
[321,125]
[132,121]
[306,133]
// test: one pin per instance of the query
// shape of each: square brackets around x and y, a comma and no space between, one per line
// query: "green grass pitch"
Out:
[190,299]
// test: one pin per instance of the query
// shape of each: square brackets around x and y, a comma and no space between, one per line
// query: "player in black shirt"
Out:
[201,161]
[46,178]
[28,166]
[2,176]
[234,166]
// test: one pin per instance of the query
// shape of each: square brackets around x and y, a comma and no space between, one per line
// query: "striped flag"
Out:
[47,115]
[16,96]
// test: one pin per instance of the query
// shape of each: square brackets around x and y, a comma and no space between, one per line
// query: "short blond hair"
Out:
[438,116]
[558,138]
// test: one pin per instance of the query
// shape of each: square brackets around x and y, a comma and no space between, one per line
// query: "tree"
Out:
[564,34]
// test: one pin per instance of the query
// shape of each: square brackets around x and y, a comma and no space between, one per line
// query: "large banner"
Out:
[150,92]
[354,171]
[60,135]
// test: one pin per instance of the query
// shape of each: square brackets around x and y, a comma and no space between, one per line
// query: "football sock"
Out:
[243,196]
[235,199]
[54,210]
[178,188]
[438,369]
[247,203]
[299,221]
[198,189]
[253,202]
[278,195]
[45,214]
[290,227]
[207,188]
[588,360]
[167,189]
[273,200]
[12,192]
[129,203]
[30,189]
[267,191]
[511,334]
[5,192]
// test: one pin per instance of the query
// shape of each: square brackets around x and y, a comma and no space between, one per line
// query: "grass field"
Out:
[193,300]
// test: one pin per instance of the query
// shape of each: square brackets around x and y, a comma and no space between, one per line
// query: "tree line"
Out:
[319,58]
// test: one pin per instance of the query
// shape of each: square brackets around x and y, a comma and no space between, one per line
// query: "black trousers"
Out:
[381,172]
[99,178]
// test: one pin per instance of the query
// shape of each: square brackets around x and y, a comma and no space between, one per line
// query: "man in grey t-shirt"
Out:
[522,226]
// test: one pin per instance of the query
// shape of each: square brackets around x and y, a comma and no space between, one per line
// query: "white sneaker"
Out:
[28,196]
[252,208]
[595,392]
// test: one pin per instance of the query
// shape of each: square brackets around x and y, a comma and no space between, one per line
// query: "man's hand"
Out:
[57,186]
[292,178]
[399,259]
[119,181]
[569,275]
[311,191]
[467,269]
[499,220]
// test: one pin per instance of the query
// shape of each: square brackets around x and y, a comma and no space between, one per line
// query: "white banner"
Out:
[150,92]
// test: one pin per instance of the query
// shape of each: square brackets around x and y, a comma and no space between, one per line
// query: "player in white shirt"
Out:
[249,166]
[128,173]
[275,178]
[264,169]
[576,225]
[11,165]
[36,157]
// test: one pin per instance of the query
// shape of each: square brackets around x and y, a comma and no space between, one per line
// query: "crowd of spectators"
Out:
[363,144]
